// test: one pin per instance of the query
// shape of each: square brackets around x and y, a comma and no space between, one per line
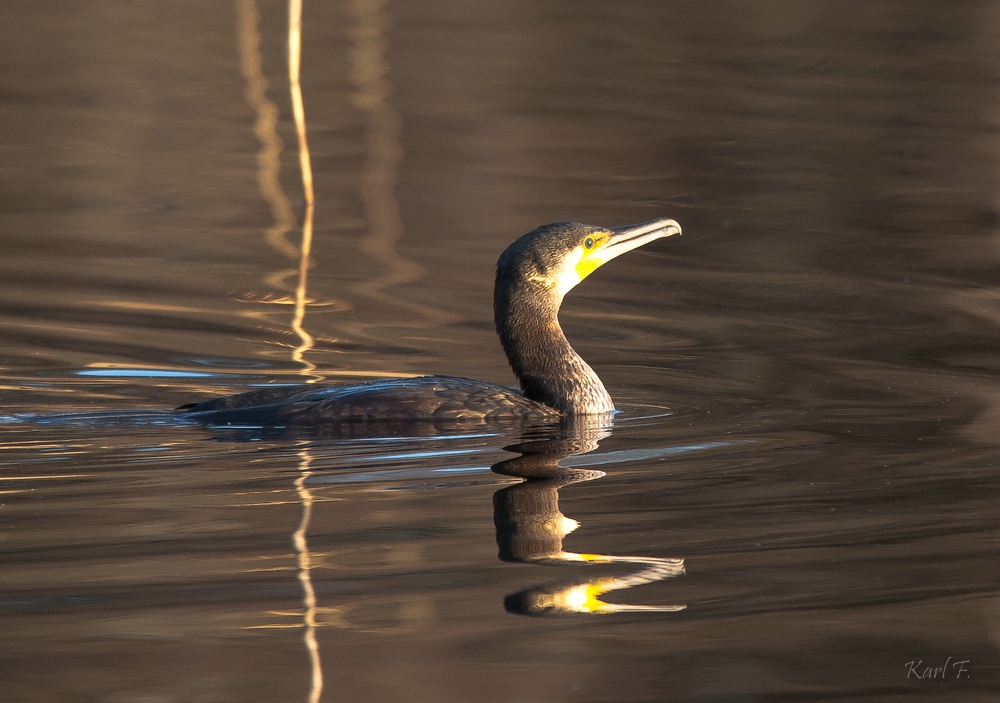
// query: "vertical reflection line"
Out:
[264,128]
[305,576]
[294,64]
[269,164]
[378,179]
[305,460]
[369,68]
[268,169]
[305,165]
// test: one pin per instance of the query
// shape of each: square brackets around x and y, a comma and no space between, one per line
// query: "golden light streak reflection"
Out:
[305,166]
[305,460]
[378,180]
[306,340]
[298,109]
[268,171]
[142,306]
[44,477]
[299,539]
[269,165]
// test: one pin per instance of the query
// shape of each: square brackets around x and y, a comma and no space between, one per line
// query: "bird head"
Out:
[560,255]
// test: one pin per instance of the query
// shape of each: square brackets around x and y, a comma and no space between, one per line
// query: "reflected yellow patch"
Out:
[584,598]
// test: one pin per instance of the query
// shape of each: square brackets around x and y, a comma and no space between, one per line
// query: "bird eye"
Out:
[588,242]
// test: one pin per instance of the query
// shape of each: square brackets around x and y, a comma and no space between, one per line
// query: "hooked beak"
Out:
[631,237]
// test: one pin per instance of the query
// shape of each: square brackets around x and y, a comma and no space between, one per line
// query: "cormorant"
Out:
[533,275]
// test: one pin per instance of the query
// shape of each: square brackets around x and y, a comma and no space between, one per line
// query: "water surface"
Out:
[808,377]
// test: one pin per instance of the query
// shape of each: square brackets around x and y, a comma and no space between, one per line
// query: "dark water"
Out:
[809,377]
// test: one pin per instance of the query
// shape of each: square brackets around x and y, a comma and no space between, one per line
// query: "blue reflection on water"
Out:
[640,454]
[146,373]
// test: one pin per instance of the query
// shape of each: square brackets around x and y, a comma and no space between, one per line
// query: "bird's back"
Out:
[424,398]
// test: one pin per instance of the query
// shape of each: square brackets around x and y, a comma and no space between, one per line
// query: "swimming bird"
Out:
[533,275]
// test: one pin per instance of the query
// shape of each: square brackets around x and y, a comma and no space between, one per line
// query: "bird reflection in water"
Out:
[530,527]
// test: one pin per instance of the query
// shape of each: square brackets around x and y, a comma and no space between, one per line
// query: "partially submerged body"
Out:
[425,398]
[533,275]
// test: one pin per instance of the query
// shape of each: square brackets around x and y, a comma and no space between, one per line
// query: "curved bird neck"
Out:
[547,367]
